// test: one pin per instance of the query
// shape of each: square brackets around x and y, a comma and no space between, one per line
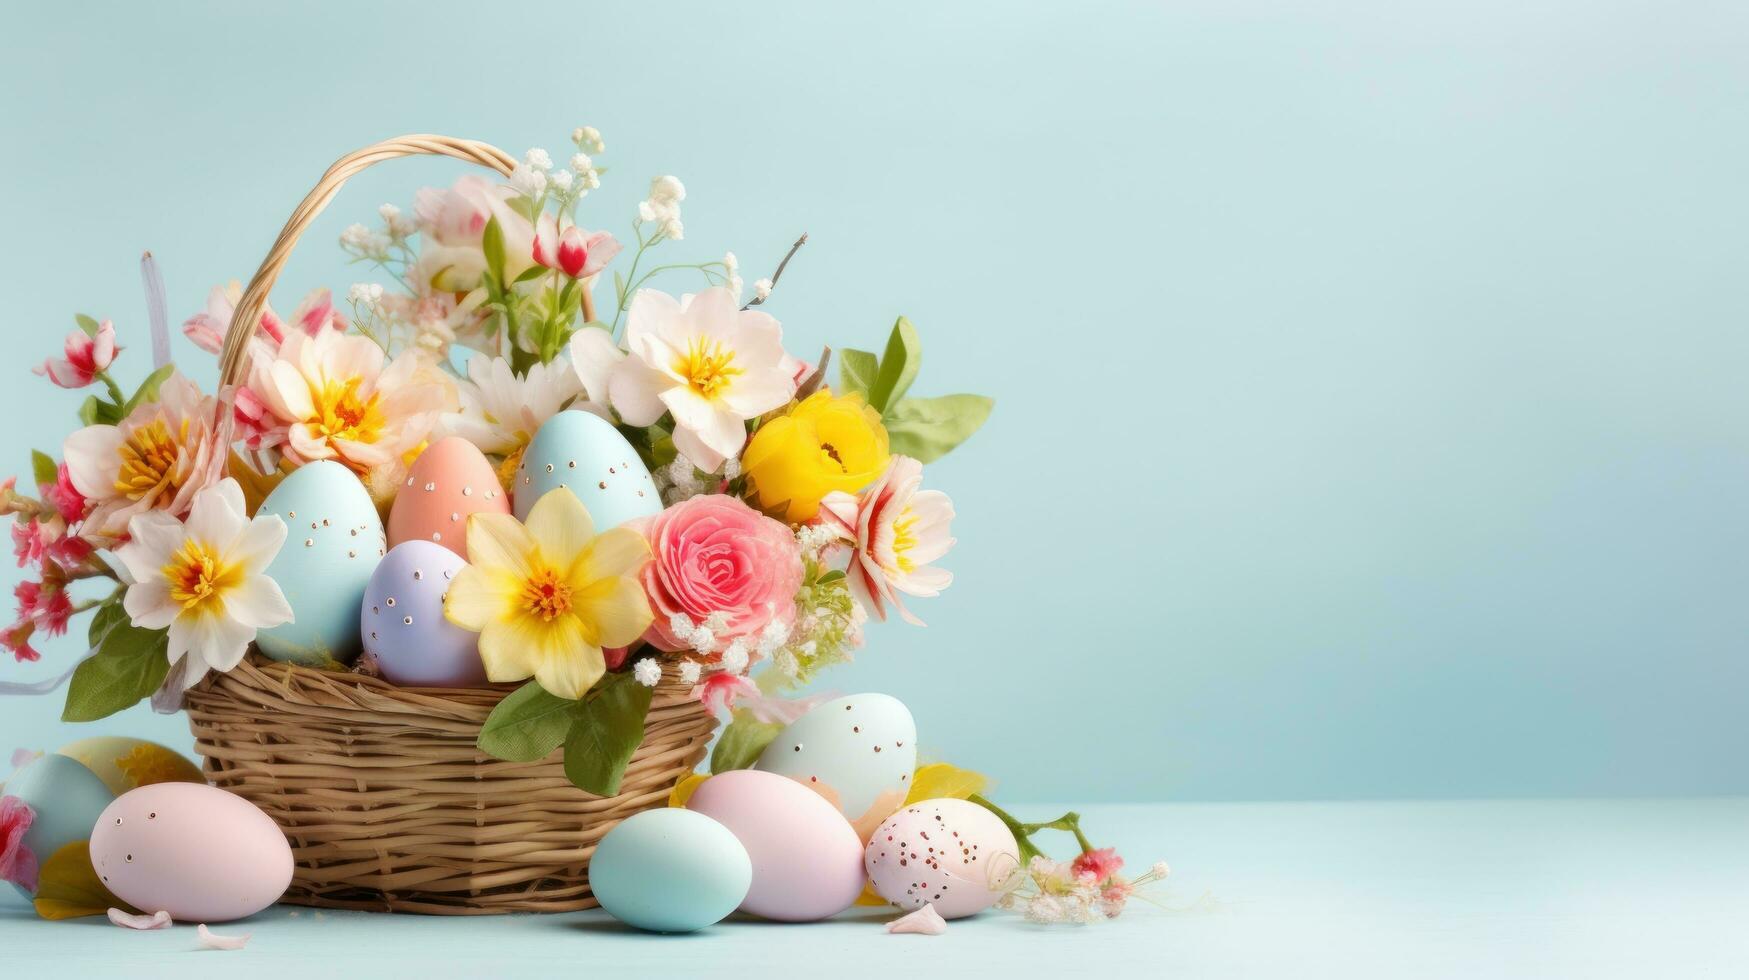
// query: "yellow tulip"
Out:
[823,443]
[547,596]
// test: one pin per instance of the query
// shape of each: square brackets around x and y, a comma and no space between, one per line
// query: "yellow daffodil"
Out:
[545,597]
[823,443]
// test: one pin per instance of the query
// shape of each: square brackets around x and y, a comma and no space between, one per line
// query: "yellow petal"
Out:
[939,781]
[503,652]
[621,551]
[68,887]
[562,526]
[570,671]
[614,610]
[869,896]
[497,541]
[478,596]
[682,790]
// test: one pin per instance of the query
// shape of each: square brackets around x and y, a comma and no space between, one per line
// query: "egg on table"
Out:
[952,854]
[64,798]
[333,542]
[670,870]
[858,752]
[129,763]
[585,454]
[807,861]
[402,621]
[449,481]
[197,852]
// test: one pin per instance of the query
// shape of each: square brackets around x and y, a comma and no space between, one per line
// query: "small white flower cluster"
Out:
[366,296]
[732,271]
[1049,892]
[366,243]
[679,481]
[704,635]
[647,672]
[762,290]
[701,636]
[663,207]
[528,180]
[690,671]
[588,139]
[399,226]
[537,172]
[813,539]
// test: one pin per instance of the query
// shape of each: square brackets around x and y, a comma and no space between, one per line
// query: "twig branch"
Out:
[775,276]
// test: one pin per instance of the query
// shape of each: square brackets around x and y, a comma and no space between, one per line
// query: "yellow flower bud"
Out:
[822,444]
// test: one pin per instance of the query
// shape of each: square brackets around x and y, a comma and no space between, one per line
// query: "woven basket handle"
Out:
[248,312]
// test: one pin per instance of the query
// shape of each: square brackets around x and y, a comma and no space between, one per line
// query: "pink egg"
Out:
[807,861]
[449,481]
[195,851]
[952,854]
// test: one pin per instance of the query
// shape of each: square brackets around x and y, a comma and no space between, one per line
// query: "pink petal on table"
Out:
[210,941]
[924,922]
[157,920]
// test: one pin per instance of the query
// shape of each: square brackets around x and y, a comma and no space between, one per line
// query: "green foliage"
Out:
[928,428]
[148,389]
[899,366]
[42,466]
[603,738]
[129,665]
[87,324]
[108,614]
[741,742]
[97,411]
[492,244]
[856,371]
[528,725]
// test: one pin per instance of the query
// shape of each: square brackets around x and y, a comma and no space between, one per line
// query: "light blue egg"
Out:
[334,539]
[67,799]
[585,454]
[858,751]
[670,870]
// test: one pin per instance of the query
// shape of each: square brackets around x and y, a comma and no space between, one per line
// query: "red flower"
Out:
[27,542]
[86,358]
[17,863]
[64,497]
[17,639]
[1097,865]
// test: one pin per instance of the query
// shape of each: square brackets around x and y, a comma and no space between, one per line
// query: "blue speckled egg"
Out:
[67,798]
[670,870]
[402,621]
[334,539]
[856,751]
[586,454]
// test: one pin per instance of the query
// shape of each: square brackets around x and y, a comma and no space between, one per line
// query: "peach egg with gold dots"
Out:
[584,453]
[449,482]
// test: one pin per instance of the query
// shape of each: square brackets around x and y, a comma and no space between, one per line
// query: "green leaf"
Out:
[857,370]
[928,428]
[619,290]
[492,243]
[107,616]
[528,725]
[899,366]
[148,389]
[741,742]
[605,735]
[97,411]
[130,665]
[42,466]
[533,272]
[86,324]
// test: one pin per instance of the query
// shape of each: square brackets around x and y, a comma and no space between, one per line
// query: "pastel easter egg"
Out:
[952,854]
[333,542]
[129,763]
[670,870]
[585,454]
[858,752]
[807,861]
[450,480]
[65,798]
[197,852]
[402,622]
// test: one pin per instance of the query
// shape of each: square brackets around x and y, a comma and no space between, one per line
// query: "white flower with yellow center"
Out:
[709,363]
[501,412]
[205,579]
[897,532]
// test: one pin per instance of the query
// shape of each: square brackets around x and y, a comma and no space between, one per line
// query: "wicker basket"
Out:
[387,802]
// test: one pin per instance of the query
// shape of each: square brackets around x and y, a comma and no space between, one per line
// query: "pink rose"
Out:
[715,555]
[17,863]
[1097,865]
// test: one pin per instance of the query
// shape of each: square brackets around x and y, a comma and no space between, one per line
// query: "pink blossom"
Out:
[1097,865]
[17,863]
[255,425]
[47,607]
[157,458]
[1113,896]
[65,497]
[27,542]
[575,252]
[898,531]
[714,554]
[719,691]
[207,328]
[17,639]
[86,357]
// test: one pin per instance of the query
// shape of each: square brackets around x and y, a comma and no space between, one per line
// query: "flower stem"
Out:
[114,389]
[1069,822]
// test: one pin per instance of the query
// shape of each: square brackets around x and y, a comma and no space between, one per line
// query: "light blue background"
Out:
[1371,416]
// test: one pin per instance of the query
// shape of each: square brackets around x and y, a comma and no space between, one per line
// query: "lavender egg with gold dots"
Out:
[333,541]
[585,454]
[402,623]
[858,752]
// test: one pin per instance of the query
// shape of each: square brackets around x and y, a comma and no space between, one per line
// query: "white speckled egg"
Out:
[65,797]
[857,751]
[334,539]
[952,854]
[586,454]
[670,870]
[197,852]
[402,620]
